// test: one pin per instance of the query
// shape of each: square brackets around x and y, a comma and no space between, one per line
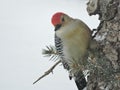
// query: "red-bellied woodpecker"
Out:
[72,40]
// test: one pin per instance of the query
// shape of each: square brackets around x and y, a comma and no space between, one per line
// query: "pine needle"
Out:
[51,52]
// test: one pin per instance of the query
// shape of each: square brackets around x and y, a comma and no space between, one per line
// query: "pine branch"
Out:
[47,72]
[52,53]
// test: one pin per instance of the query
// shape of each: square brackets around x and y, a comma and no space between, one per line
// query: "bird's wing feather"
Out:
[59,48]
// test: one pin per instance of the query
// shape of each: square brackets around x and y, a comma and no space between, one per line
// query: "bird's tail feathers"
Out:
[80,81]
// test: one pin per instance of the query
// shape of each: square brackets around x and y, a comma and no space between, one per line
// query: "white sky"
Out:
[25,29]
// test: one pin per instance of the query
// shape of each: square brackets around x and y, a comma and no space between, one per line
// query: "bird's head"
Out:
[60,19]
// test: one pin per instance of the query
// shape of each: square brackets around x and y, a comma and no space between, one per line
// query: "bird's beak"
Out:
[57,27]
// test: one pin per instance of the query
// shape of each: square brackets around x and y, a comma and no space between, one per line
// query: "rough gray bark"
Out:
[105,63]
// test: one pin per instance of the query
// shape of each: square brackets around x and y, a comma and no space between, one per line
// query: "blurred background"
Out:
[25,29]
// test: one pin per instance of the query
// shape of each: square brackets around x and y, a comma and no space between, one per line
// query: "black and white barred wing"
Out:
[59,48]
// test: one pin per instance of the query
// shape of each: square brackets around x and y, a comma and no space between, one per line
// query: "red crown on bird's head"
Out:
[56,18]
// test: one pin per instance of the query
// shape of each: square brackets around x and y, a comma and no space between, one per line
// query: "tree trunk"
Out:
[104,64]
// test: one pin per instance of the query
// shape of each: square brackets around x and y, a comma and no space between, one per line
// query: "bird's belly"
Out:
[74,50]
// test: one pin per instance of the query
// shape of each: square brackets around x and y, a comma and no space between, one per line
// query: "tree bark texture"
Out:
[105,63]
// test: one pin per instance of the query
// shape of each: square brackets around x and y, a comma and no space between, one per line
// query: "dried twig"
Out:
[47,72]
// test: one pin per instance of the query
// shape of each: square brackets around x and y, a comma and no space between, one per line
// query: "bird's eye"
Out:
[63,19]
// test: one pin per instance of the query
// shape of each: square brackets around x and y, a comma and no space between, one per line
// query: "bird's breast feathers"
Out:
[75,38]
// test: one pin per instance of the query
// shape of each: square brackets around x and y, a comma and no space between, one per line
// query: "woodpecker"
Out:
[72,40]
